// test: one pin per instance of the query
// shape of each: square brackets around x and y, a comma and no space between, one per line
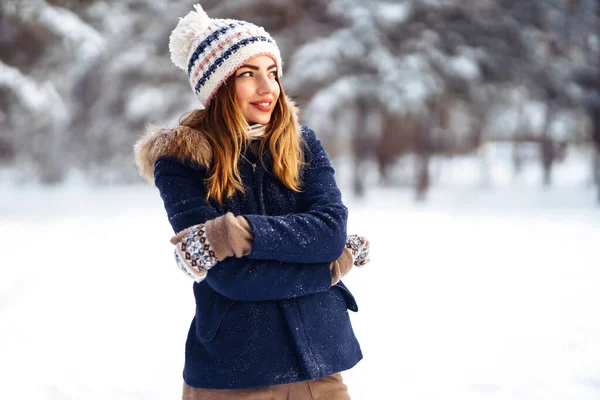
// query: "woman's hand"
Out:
[194,254]
[228,235]
[359,246]
[199,247]
[355,253]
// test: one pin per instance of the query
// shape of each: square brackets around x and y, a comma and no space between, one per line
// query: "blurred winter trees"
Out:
[378,80]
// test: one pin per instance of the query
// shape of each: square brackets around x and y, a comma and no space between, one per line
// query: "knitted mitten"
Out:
[228,236]
[359,246]
[199,247]
[194,254]
[356,253]
[340,267]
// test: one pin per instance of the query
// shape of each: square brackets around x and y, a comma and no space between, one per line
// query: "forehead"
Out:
[263,60]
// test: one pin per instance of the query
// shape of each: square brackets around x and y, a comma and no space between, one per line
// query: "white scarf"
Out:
[256,132]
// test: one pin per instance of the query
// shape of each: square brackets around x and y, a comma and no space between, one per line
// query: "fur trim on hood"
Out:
[181,142]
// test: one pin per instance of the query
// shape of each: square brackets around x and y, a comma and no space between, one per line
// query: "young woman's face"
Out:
[257,89]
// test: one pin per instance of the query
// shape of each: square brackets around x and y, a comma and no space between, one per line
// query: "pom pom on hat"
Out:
[184,35]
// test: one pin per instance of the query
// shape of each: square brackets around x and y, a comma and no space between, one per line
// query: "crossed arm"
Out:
[237,278]
[270,245]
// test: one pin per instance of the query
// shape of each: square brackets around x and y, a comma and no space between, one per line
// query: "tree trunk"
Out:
[362,145]
[547,153]
[358,184]
[423,176]
[596,115]
[596,171]
[517,158]
[423,146]
[572,10]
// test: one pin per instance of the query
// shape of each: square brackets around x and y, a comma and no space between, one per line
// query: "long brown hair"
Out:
[224,126]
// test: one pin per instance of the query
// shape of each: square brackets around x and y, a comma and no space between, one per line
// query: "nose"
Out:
[266,85]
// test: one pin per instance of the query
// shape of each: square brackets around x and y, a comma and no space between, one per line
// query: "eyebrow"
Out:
[254,67]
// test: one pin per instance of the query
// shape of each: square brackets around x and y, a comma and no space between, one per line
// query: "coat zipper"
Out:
[249,162]
[254,179]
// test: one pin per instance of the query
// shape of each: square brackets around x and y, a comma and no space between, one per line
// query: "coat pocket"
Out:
[211,308]
[350,300]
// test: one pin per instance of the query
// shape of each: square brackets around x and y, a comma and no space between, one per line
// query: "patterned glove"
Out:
[356,253]
[359,246]
[194,254]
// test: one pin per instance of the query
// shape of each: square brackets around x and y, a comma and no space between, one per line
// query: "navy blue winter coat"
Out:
[272,317]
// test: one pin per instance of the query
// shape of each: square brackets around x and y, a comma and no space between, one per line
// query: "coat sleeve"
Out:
[316,235]
[244,279]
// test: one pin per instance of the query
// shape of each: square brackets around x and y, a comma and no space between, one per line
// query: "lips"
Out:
[264,106]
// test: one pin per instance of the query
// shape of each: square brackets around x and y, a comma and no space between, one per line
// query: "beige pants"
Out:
[330,387]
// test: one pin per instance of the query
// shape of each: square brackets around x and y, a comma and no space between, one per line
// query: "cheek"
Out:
[277,90]
[242,94]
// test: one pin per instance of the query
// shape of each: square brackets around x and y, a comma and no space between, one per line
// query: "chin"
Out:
[263,120]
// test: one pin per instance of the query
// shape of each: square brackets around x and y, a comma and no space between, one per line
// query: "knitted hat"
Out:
[211,50]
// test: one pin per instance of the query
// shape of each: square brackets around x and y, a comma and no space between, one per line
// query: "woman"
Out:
[260,224]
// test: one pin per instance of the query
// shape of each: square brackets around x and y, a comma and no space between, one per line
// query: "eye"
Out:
[245,73]
[274,73]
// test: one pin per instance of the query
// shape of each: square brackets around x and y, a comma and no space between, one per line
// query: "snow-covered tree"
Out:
[430,61]
[44,48]
[79,80]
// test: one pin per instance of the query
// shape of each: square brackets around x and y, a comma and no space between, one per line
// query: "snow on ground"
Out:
[477,294]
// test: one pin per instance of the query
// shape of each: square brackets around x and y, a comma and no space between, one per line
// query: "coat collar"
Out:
[181,142]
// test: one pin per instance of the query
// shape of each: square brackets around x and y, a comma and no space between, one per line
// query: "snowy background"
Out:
[480,293]
[466,138]
[379,80]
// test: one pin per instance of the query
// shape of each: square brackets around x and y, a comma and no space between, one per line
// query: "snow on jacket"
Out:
[272,317]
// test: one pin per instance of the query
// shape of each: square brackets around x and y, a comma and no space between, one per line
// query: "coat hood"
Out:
[181,142]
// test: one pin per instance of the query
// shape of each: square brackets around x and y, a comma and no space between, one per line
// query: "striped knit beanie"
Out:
[211,50]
